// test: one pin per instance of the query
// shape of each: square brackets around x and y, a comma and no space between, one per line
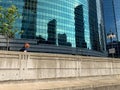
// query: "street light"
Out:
[110,36]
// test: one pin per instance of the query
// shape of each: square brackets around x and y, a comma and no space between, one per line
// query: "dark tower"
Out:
[93,23]
[62,39]
[79,27]
[51,32]
[29,19]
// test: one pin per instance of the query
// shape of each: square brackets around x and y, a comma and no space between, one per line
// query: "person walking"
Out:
[25,47]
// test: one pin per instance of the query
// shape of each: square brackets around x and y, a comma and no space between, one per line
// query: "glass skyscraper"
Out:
[116,4]
[72,23]
[112,24]
[109,17]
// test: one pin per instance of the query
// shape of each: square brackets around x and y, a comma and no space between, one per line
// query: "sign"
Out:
[112,50]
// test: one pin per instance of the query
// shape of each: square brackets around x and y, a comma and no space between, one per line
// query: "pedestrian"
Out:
[25,47]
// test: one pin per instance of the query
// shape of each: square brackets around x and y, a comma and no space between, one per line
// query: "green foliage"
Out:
[8,16]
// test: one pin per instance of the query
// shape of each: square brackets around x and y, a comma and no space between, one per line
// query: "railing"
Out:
[25,66]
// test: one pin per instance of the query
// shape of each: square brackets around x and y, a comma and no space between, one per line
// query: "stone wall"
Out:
[111,87]
[25,66]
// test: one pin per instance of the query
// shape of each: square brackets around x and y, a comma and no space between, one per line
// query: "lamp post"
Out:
[110,36]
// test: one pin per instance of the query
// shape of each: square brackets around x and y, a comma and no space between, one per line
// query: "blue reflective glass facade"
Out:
[73,23]
[111,11]
[116,4]
[112,24]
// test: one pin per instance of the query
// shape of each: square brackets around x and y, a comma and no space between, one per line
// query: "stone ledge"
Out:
[64,84]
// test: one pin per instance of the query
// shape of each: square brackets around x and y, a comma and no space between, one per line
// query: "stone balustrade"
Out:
[26,66]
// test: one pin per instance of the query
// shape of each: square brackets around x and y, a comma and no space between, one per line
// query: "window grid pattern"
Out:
[53,21]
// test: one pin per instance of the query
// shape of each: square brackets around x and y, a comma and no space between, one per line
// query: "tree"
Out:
[8,16]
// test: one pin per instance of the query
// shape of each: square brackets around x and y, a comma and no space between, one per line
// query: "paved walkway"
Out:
[61,83]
